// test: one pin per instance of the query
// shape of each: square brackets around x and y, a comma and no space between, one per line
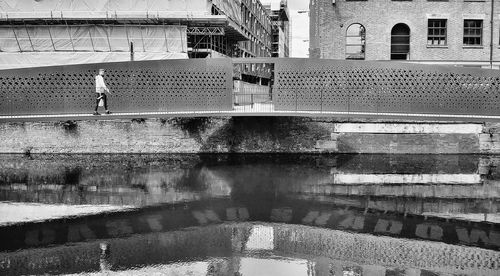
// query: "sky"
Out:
[300,25]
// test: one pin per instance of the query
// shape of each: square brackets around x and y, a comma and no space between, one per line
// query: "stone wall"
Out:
[176,135]
[249,134]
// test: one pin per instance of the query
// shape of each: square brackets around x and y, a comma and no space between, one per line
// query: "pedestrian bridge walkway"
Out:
[300,87]
[256,110]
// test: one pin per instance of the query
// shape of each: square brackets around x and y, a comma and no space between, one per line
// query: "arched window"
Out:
[355,42]
[400,41]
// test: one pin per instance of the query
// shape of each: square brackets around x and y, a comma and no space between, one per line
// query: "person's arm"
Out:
[105,86]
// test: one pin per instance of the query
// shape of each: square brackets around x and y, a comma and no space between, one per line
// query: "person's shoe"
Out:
[108,112]
[96,113]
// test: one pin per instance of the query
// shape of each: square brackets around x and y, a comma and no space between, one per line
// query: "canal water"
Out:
[250,214]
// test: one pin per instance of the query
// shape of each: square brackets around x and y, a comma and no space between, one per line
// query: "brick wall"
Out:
[95,136]
[329,24]
[177,135]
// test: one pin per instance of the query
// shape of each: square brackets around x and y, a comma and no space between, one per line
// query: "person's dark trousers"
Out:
[104,98]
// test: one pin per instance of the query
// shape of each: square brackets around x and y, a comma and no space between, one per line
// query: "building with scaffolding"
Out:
[57,32]
[281,31]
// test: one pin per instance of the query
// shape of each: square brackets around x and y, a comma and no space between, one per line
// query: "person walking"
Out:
[100,88]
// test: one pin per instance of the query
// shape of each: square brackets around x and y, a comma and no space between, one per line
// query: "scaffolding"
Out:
[92,38]
[156,28]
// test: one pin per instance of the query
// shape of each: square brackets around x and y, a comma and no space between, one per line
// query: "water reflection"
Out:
[255,249]
[448,185]
[192,212]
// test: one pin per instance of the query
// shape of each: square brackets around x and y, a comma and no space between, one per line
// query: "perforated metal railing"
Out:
[301,86]
[384,87]
[141,86]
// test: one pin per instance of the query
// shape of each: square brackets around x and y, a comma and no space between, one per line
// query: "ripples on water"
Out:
[250,215]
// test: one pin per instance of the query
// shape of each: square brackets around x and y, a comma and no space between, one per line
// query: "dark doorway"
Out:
[400,42]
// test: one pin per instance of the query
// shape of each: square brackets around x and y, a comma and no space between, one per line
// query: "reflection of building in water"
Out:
[437,185]
[141,186]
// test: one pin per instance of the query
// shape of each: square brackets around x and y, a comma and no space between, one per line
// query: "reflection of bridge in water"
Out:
[300,87]
[223,249]
[192,207]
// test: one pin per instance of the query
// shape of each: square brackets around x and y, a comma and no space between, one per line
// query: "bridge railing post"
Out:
[348,103]
[321,110]
[378,100]
[296,101]
[321,97]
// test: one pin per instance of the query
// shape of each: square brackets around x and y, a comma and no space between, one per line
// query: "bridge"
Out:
[298,87]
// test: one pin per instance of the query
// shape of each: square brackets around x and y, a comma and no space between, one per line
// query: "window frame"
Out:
[362,41]
[431,38]
[474,36]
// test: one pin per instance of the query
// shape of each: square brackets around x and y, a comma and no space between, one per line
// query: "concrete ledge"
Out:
[408,143]
[408,128]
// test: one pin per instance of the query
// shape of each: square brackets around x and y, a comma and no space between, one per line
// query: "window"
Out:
[436,32]
[355,42]
[473,32]
[400,41]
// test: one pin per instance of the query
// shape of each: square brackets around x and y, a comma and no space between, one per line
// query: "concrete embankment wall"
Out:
[249,134]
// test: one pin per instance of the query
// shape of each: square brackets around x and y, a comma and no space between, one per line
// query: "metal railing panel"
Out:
[140,86]
[299,85]
[384,87]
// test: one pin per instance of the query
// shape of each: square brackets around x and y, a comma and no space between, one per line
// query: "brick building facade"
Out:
[427,31]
